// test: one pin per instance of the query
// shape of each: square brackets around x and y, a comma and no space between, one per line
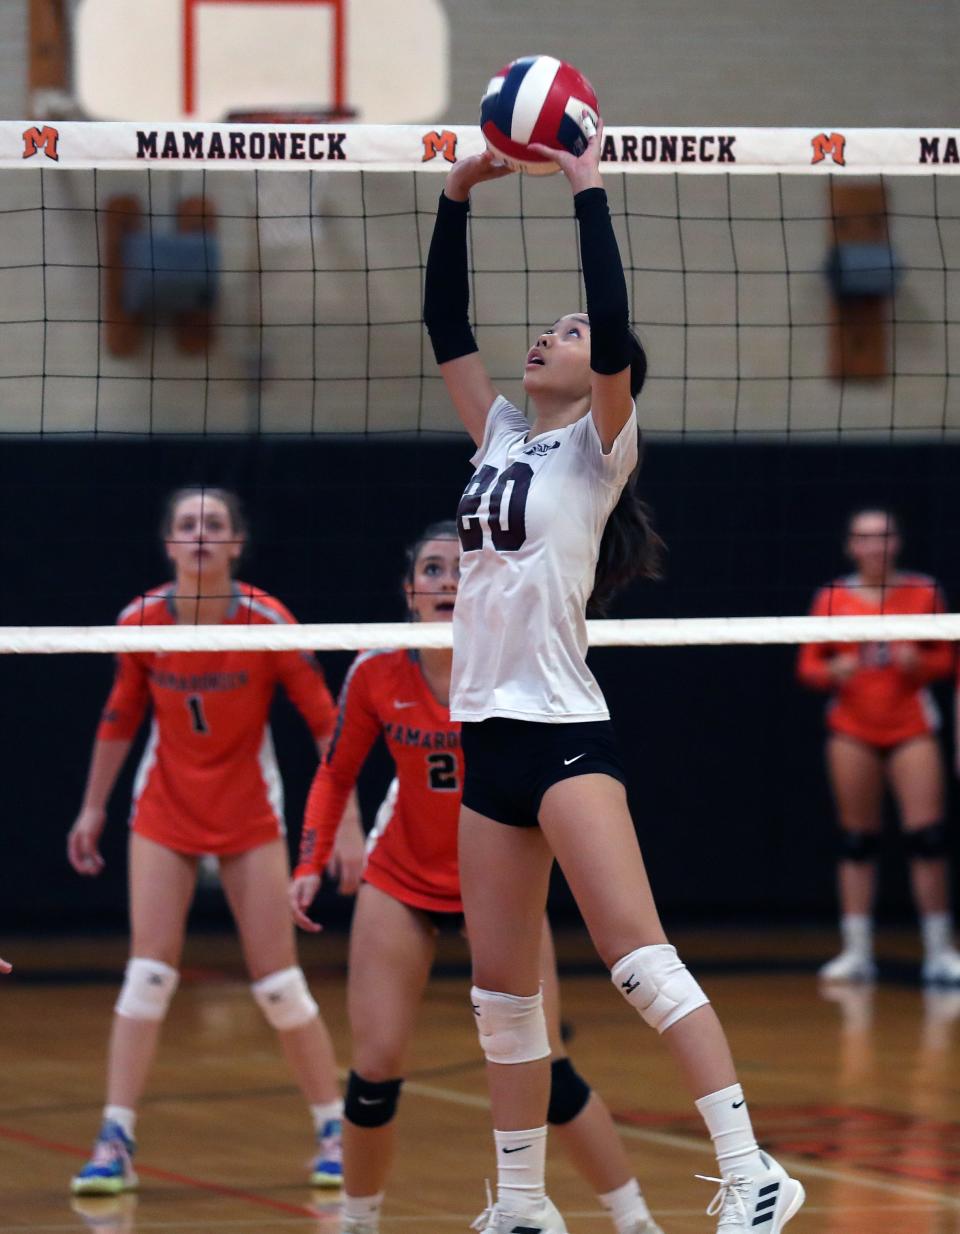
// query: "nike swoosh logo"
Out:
[371,1100]
[518,1150]
[568,761]
[737,1104]
[399,706]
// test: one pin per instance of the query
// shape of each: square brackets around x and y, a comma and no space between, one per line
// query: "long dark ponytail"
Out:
[630,548]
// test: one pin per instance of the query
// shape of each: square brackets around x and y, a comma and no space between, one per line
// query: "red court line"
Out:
[199,1184]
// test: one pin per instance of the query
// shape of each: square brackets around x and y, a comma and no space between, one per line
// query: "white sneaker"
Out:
[943,968]
[763,1203]
[849,966]
[496,1220]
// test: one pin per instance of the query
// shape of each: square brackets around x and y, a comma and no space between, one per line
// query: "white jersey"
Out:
[530,523]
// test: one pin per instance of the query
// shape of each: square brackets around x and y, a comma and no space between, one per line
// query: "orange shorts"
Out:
[185,836]
[880,737]
[394,884]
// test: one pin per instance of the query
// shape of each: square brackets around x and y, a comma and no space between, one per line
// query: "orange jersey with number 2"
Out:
[412,848]
[208,781]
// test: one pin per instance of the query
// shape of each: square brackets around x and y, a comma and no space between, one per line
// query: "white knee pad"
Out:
[148,986]
[657,983]
[512,1027]
[285,999]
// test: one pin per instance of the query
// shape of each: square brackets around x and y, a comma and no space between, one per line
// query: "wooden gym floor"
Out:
[859,1094]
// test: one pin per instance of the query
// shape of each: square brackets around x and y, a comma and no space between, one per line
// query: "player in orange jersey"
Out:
[410,888]
[881,730]
[208,783]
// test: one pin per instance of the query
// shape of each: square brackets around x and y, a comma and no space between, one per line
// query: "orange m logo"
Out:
[45,139]
[444,143]
[832,145]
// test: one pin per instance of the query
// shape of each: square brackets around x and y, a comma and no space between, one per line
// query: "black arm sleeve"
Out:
[446,298]
[607,307]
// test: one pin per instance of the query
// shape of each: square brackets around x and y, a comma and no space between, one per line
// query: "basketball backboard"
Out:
[200,59]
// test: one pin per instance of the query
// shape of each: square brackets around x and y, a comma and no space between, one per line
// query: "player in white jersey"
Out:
[550,521]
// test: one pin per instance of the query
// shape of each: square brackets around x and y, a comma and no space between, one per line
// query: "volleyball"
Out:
[538,99]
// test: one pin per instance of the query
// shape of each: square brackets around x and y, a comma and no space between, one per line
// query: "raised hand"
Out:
[582,171]
[476,169]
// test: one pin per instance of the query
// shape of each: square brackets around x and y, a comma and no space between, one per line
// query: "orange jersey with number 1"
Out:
[880,704]
[412,849]
[208,781]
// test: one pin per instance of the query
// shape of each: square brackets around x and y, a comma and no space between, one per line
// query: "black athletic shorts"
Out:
[443,922]
[510,764]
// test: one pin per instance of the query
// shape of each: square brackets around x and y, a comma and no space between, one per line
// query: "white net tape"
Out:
[399,147]
[353,636]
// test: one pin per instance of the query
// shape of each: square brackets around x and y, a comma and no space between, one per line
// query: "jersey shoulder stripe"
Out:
[365,657]
[148,609]
[261,604]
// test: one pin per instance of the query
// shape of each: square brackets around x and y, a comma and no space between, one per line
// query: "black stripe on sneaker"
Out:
[761,1220]
[527,1229]
[769,1189]
[769,1203]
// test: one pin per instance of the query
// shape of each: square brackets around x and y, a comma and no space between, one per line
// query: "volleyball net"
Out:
[240,305]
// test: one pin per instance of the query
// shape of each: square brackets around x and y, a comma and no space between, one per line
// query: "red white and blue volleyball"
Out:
[538,99]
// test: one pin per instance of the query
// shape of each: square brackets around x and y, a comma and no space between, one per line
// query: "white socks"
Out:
[323,1113]
[362,1208]
[626,1206]
[936,929]
[123,1116]
[521,1162]
[856,931]
[728,1121]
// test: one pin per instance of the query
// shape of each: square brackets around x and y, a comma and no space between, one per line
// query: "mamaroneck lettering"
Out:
[240,145]
[939,150]
[669,148]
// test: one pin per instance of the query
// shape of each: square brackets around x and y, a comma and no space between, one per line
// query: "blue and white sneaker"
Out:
[328,1165]
[110,1170]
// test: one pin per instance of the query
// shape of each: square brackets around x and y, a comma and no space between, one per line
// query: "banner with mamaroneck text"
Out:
[373,147]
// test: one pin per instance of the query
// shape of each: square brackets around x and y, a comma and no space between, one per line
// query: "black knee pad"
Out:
[928,843]
[859,845]
[370,1103]
[569,1092]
